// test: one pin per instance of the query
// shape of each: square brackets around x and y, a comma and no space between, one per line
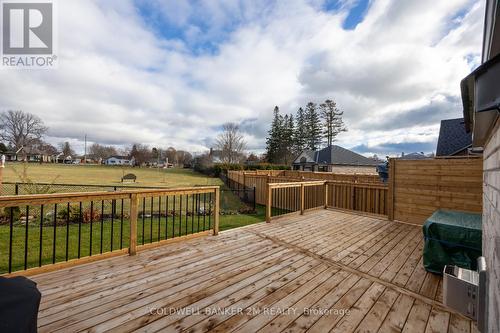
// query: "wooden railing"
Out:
[285,198]
[48,231]
[368,198]
[294,197]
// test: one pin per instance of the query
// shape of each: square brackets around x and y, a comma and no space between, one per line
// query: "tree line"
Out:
[24,130]
[311,128]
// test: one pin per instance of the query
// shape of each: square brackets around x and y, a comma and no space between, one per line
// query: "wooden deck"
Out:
[324,271]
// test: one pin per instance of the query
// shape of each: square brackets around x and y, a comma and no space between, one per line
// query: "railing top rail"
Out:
[358,185]
[33,199]
[121,185]
[297,184]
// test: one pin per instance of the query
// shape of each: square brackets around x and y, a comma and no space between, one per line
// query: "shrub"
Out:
[5,214]
[89,215]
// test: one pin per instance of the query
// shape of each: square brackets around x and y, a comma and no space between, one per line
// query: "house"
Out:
[30,154]
[414,156]
[61,158]
[481,104]
[119,160]
[453,138]
[334,159]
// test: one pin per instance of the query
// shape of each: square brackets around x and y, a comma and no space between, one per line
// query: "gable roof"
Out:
[453,137]
[118,157]
[336,155]
[414,156]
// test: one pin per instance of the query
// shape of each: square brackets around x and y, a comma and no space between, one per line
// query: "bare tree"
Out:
[66,149]
[171,154]
[19,128]
[231,143]
[141,153]
[98,151]
[184,157]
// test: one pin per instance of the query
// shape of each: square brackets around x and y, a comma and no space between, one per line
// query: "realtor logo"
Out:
[28,34]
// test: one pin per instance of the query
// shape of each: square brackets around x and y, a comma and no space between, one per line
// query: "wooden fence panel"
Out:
[368,198]
[423,186]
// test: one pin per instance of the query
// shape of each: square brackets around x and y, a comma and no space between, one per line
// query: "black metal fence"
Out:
[39,231]
[11,188]
[245,194]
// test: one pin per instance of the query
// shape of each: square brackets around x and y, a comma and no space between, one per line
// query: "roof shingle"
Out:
[452,137]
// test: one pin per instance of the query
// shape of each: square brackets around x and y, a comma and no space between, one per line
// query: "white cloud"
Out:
[119,81]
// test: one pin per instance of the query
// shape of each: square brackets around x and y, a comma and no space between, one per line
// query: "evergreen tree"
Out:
[283,141]
[287,139]
[273,140]
[313,127]
[300,132]
[333,123]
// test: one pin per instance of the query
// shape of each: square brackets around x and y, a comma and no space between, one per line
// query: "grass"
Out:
[103,175]
[153,227]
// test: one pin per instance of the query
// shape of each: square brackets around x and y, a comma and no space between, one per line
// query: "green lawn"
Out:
[104,175]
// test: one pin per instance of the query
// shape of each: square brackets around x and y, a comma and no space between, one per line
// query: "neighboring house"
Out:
[119,160]
[481,102]
[414,156]
[334,159]
[453,138]
[61,158]
[30,154]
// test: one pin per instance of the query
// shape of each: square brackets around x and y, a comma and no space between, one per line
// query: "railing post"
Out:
[216,212]
[269,202]
[134,201]
[390,191]
[302,199]
[326,195]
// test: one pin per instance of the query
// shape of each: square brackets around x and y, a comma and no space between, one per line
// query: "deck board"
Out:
[323,271]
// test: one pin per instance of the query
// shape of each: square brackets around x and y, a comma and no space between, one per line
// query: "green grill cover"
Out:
[452,238]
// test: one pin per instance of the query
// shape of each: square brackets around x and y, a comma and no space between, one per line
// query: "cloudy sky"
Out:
[169,73]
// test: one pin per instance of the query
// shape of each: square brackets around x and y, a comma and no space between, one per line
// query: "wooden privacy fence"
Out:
[420,187]
[241,176]
[57,230]
[260,181]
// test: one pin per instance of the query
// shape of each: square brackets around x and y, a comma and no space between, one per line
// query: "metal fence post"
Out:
[254,198]
[16,191]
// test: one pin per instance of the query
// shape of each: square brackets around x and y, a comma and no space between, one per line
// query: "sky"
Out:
[170,73]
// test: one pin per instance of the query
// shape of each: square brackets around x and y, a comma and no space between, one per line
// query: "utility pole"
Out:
[85,151]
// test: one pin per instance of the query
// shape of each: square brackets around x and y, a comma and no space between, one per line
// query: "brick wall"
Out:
[491,225]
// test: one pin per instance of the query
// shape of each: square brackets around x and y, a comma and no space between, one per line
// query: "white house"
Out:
[119,160]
